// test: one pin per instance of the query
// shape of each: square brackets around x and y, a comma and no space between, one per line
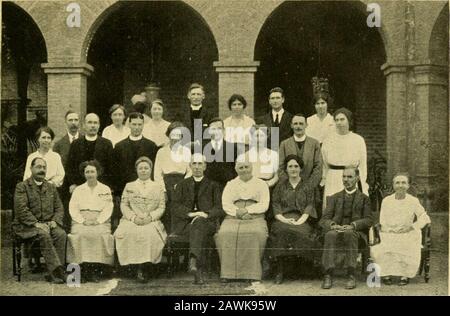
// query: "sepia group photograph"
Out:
[249,149]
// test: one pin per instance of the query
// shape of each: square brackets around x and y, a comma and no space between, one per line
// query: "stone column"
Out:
[236,78]
[67,90]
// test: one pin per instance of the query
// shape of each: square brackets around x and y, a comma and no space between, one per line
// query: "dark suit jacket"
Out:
[205,115]
[209,201]
[361,217]
[32,205]
[62,147]
[312,159]
[218,167]
[285,130]
[124,160]
[77,154]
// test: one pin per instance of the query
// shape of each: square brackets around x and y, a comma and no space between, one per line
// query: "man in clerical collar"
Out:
[346,220]
[39,213]
[197,210]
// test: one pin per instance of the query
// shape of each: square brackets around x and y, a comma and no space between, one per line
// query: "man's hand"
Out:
[42,226]
[348,227]
[52,224]
[337,227]
[240,212]
[72,188]
[202,214]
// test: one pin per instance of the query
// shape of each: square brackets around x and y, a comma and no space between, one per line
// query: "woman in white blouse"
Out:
[141,237]
[90,242]
[156,128]
[117,131]
[238,125]
[55,170]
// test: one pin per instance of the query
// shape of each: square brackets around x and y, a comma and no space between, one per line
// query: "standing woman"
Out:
[237,125]
[320,125]
[341,149]
[55,170]
[90,242]
[140,237]
[156,128]
[117,131]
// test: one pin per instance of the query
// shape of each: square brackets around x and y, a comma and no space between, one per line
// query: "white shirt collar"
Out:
[37,182]
[91,139]
[135,138]
[196,107]
[350,192]
[280,114]
[197,179]
[72,138]
[300,139]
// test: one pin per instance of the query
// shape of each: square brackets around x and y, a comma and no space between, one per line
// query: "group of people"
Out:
[92,199]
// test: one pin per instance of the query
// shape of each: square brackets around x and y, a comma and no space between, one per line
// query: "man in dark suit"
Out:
[39,212]
[346,219]
[220,155]
[62,147]
[89,147]
[196,212]
[198,116]
[278,117]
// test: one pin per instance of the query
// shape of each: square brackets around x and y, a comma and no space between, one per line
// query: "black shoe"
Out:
[327,282]
[387,281]
[403,281]
[141,275]
[198,277]
[38,268]
[351,282]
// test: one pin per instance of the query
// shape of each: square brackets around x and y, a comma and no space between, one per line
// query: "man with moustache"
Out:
[62,147]
[39,213]
[278,117]
[304,147]
[346,219]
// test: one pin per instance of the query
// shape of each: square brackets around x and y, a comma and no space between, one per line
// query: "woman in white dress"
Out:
[321,124]
[343,148]
[117,131]
[156,128]
[401,218]
[141,237]
[55,170]
[90,242]
[237,125]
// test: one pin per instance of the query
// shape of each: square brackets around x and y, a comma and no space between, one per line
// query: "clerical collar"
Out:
[350,192]
[196,107]
[196,179]
[135,138]
[91,138]
[300,139]
[38,183]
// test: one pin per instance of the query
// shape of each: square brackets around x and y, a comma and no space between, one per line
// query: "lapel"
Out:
[357,203]
[307,150]
[203,187]
[284,119]
[35,188]
[340,204]
[292,148]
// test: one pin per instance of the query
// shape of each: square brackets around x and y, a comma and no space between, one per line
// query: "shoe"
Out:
[387,281]
[279,278]
[327,282]
[198,277]
[351,282]
[403,281]
[141,275]
[56,277]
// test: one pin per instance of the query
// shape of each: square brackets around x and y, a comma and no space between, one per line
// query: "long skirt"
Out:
[91,244]
[240,244]
[170,181]
[294,240]
[139,244]
[398,254]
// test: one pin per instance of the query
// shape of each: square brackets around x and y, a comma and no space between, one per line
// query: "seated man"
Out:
[39,212]
[398,253]
[197,210]
[346,219]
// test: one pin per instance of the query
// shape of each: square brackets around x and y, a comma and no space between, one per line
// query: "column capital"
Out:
[236,67]
[64,68]
[389,68]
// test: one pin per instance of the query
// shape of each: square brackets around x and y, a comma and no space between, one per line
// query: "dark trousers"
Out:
[64,195]
[347,242]
[201,232]
[53,247]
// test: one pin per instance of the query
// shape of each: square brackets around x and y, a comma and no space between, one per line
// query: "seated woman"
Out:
[140,237]
[90,242]
[242,236]
[398,253]
[293,206]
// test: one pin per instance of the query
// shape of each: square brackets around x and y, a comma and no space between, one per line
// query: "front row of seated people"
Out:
[198,207]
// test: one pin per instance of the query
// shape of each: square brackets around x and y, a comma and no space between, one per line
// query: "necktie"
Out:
[277,121]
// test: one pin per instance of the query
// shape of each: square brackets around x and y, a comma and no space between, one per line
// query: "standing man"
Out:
[62,147]
[90,146]
[39,212]
[196,212]
[278,116]
[220,155]
[346,219]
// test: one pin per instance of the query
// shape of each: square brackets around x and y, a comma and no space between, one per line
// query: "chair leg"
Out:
[14,245]
[19,262]
[426,267]
[169,260]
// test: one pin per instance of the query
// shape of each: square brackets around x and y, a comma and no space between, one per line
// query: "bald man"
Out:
[88,147]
